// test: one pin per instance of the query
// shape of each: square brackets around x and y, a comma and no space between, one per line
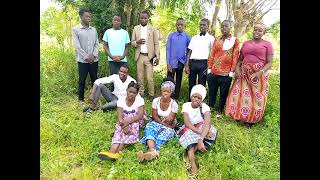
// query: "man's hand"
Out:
[231,74]
[141,41]
[169,68]
[156,61]
[201,146]
[187,70]
[256,75]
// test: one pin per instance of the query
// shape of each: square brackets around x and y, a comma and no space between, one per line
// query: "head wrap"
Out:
[167,84]
[200,89]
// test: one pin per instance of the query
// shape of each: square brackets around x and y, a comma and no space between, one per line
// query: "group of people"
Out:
[204,58]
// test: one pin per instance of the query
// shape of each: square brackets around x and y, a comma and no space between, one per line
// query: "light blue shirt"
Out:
[117,40]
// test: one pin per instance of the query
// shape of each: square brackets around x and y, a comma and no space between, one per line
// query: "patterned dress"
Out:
[128,111]
[195,117]
[247,97]
[159,133]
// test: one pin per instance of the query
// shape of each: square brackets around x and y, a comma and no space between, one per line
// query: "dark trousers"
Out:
[178,73]
[214,82]
[115,66]
[108,95]
[84,69]
[197,68]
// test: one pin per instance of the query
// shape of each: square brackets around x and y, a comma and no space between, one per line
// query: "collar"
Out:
[83,27]
[228,37]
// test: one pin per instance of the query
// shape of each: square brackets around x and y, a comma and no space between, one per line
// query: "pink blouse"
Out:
[255,53]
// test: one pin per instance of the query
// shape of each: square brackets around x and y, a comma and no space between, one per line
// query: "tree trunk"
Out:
[129,11]
[214,18]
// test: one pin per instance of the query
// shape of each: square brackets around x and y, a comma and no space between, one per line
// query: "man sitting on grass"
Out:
[120,82]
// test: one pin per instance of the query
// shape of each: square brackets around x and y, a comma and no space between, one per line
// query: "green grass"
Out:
[70,139]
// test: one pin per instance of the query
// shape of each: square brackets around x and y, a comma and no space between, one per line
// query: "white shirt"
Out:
[120,88]
[138,102]
[200,46]
[194,113]
[144,35]
[173,107]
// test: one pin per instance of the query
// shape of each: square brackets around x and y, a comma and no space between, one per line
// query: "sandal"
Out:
[186,161]
[108,156]
[193,176]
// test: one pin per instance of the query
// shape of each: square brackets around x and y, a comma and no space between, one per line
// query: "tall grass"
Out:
[70,139]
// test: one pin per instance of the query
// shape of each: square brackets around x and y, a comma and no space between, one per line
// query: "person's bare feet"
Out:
[140,156]
[248,125]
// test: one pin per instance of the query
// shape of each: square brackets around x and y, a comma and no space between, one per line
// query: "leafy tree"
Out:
[58,23]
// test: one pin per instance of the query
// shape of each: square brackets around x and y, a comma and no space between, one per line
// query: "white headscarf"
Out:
[200,89]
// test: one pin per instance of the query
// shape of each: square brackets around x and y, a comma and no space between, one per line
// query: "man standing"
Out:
[176,51]
[86,43]
[197,58]
[145,39]
[116,43]
[221,65]
[120,82]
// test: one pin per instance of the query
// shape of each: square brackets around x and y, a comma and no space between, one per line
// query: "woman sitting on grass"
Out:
[197,133]
[130,117]
[161,128]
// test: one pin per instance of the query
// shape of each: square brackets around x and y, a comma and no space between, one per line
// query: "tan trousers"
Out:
[142,64]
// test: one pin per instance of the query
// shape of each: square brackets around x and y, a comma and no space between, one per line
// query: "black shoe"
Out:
[86,109]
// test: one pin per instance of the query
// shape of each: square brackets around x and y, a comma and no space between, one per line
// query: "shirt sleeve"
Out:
[77,45]
[96,45]
[211,56]
[185,107]
[205,108]
[191,44]
[235,55]
[269,49]
[155,103]
[174,107]
[168,47]
[120,102]
[104,80]
[127,38]
[105,36]
[140,101]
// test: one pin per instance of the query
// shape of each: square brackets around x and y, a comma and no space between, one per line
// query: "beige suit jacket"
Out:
[152,41]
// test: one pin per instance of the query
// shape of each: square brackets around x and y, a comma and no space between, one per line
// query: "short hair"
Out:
[83,10]
[125,66]
[145,12]
[226,20]
[117,15]
[134,85]
[207,20]
[180,19]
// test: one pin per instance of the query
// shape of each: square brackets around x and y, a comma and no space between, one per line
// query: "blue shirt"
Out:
[117,40]
[177,48]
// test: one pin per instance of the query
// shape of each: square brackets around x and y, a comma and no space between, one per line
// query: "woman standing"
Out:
[161,129]
[247,97]
[130,116]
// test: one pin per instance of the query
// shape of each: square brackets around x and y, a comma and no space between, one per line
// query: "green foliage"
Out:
[70,140]
[165,20]
[58,23]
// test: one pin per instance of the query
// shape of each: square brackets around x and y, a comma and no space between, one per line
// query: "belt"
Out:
[144,54]
[199,59]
